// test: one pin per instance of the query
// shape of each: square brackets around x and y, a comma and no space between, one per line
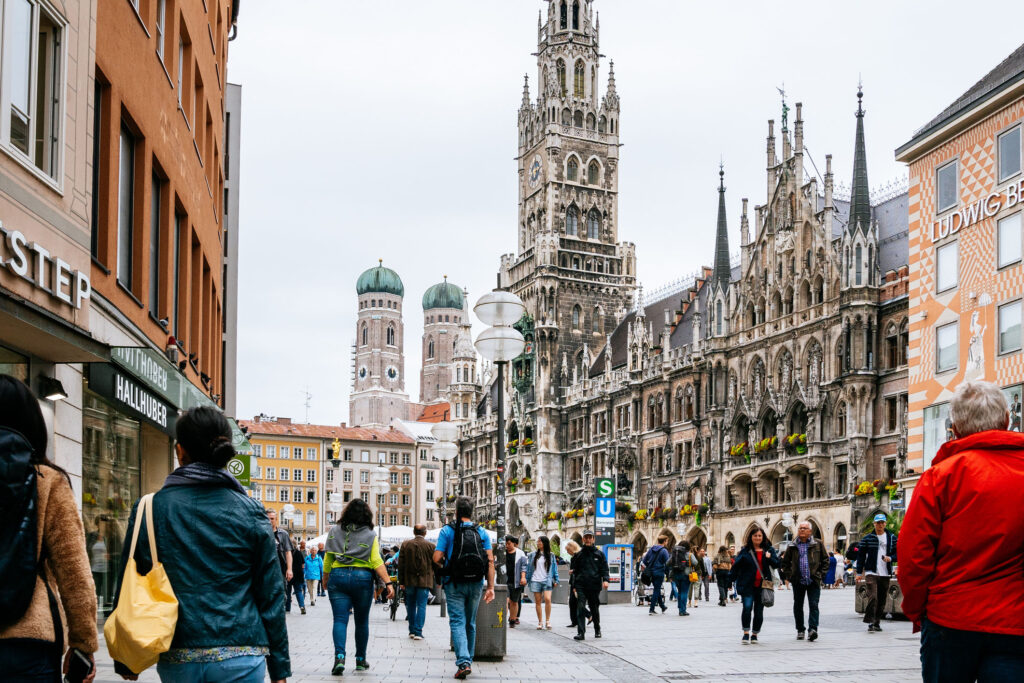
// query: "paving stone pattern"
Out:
[704,646]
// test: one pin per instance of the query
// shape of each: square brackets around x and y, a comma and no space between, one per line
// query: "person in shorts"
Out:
[515,578]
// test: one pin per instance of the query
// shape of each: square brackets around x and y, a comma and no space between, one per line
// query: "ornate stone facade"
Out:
[805,335]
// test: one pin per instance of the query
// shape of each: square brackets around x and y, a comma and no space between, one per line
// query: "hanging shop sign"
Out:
[34,264]
[986,207]
[132,396]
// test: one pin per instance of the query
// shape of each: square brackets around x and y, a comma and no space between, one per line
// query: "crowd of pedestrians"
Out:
[958,563]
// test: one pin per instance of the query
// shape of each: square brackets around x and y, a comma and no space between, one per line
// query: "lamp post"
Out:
[380,488]
[444,450]
[500,343]
[288,511]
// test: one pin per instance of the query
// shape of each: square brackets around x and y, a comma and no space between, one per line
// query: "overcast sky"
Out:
[391,133]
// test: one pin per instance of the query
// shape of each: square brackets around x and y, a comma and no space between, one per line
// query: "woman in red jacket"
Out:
[962,546]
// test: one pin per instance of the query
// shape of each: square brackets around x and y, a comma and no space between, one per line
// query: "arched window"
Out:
[576,317]
[593,172]
[591,122]
[858,265]
[576,15]
[593,225]
[572,220]
[841,419]
[595,321]
[577,119]
[579,75]
[365,335]
[430,348]
[572,169]
[566,117]
[602,124]
[391,335]
[560,70]
[718,317]
[563,20]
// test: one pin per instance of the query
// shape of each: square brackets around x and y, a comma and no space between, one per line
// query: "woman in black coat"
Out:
[754,562]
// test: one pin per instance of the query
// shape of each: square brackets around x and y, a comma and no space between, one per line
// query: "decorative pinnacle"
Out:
[860,96]
[380,262]
[721,175]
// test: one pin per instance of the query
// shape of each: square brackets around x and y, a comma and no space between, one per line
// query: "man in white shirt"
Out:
[875,556]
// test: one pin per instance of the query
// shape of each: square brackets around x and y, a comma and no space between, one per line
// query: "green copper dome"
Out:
[380,279]
[442,295]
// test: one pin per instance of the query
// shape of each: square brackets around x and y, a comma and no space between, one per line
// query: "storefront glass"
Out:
[111,475]
[937,430]
[1013,399]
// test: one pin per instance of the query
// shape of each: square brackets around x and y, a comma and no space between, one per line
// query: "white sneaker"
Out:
[416,637]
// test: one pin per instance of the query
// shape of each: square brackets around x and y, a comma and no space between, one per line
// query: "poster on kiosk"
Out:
[620,566]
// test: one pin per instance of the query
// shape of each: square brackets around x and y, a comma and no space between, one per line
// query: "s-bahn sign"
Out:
[604,511]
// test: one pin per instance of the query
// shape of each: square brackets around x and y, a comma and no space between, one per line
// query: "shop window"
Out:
[945,180]
[947,266]
[1009,327]
[1009,154]
[1009,240]
[947,347]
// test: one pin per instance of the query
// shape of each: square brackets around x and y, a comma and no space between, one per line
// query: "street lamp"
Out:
[444,450]
[288,510]
[500,343]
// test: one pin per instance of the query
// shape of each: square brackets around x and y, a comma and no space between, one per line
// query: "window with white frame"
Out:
[364,456]
[1008,240]
[272,473]
[329,474]
[430,476]
[284,474]
[947,266]
[346,476]
[947,347]
[161,25]
[346,455]
[430,515]
[393,477]
[271,451]
[1009,327]
[257,450]
[393,499]
[365,496]
[32,92]
[406,459]
[271,494]
[296,475]
[405,499]
[286,452]
[945,191]
[364,477]
[405,479]
[1009,154]
[423,454]
[430,495]
[257,472]
[296,495]
[405,520]
[311,454]
[311,475]
[311,519]
[310,495]
[392,520]
[257,492]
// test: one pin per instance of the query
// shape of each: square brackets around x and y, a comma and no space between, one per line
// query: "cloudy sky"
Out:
[388,130]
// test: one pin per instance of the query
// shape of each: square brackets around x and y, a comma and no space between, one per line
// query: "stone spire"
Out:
[721,274]
[526,91]
[611,97]
[860,196]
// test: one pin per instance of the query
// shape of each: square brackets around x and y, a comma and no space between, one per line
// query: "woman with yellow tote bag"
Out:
[217,558]
[142,626]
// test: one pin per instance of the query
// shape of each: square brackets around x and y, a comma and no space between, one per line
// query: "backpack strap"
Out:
[58,625]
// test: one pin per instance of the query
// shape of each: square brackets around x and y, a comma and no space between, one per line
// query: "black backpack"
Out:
[680,560]
[18,527]
[468,561]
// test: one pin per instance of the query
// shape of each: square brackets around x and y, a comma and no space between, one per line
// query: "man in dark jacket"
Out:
[874,566]
[416,575]
[297,584]
[656,560]
[961,569]
[589,575]
[804,565]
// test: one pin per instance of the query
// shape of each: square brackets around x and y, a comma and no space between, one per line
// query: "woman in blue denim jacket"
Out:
[541,577]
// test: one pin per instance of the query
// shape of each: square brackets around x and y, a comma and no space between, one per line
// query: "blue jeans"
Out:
[681,585]
[951,655]
[247,669]
[300,595]
[658,600]
[350,588]
[463,599]
[416,606]
[752,603]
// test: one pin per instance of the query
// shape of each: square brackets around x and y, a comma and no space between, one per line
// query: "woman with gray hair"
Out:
[961,546]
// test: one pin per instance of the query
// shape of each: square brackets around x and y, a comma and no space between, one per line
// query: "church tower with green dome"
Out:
[378,383]
[442,315]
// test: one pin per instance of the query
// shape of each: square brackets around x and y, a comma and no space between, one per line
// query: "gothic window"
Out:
[430,348]
[892,347]
[577,119]
[566,117]
[841,419]
[572,169]
[904,342]
[871,262]
[593,172]
[612,124]
[560,70]
[688,403]
[593,225]
[576,317]
[602,124]
[579,76]
[576,15]
[572,219]
[591,122]
[718,317]
[365,335]
[819,290]
[391,335]
[595,321]
[563,20]
[857,256]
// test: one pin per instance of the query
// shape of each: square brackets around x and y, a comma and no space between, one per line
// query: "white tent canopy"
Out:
[432,535]
[394,535]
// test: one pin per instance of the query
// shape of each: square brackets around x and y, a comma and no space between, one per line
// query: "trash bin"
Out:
[492,626]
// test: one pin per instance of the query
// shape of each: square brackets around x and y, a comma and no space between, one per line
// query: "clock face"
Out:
[533,174]
[362,372]
[392,372]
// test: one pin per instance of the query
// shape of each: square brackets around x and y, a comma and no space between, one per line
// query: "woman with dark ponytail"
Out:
[216,546]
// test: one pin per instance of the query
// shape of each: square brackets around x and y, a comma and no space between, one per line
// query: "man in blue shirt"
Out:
[463,596]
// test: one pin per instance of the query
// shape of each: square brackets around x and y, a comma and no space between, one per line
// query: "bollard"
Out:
[492,626]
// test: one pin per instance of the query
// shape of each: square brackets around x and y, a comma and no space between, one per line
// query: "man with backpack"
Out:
[589,576]
[680,565]
[655,564]
[464,557]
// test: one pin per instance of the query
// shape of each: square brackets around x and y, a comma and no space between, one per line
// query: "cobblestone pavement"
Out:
[704,646]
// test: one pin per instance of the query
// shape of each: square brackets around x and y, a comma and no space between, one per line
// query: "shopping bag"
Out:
[142,625]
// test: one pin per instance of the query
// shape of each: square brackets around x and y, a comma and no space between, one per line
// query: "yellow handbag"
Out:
[694,578]
[142,626]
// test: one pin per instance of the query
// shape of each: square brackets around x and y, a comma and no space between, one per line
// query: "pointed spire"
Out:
[721,273]
[526,91]
[611,76]
[860,196]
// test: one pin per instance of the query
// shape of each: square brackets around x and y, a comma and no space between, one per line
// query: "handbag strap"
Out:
[757,565]
[145,507]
